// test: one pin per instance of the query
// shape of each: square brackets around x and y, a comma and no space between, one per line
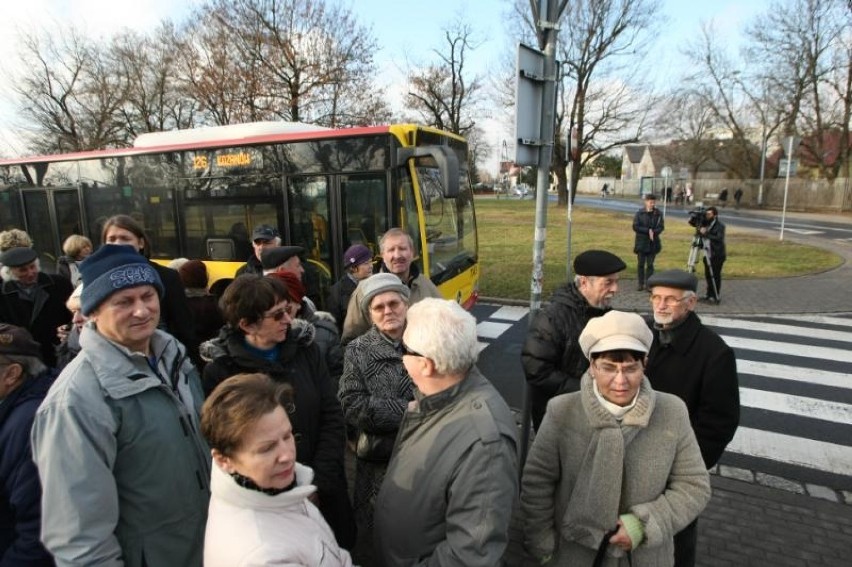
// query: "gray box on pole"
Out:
[529,94]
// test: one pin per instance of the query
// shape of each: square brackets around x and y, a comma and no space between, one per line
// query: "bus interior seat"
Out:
[220,248]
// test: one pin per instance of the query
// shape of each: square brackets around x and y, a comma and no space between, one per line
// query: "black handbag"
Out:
[599,557]
[374,447]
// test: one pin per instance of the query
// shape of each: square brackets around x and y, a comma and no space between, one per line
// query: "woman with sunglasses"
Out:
[258,337]
[615,470]
[375,390]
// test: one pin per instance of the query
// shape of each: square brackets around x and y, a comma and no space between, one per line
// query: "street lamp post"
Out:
[763,141]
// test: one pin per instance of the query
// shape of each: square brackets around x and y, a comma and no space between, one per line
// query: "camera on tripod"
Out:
[697,218]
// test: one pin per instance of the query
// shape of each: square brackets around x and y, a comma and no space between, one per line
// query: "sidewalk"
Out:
[748,523]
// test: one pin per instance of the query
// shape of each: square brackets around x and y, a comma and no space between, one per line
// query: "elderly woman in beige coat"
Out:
[615,469]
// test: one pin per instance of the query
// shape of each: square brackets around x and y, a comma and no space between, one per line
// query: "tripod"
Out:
[698,246]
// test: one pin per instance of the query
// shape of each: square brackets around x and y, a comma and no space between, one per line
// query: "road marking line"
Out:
[510,313]
[774,347]
[794,373]
[491,330]
[778,329]
[809,453]
[796,405]
[823,319]
[804,231]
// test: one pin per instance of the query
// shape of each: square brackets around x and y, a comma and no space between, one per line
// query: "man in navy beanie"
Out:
[124,469]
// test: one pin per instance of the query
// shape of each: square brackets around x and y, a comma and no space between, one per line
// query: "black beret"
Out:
[677,279]
[273,257]
[18,256]
[597,263]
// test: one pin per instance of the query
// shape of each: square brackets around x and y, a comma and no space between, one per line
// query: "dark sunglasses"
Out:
[276,316]
[406,350]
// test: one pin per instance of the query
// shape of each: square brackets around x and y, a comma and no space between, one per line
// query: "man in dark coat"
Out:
[263,237]
[713,236]
[551,356]
[33,300]
[691,361]
[24,381]
[648,223]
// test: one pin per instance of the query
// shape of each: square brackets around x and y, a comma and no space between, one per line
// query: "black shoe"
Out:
[640,288]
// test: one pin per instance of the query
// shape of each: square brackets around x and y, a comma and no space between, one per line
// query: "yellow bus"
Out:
[200,192]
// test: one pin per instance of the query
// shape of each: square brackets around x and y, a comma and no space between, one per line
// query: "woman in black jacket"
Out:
[260,336]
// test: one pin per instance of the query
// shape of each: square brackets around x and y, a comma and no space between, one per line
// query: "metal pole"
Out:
[569,270]
[549,13]
[786,186]
[762,168]
[665,193]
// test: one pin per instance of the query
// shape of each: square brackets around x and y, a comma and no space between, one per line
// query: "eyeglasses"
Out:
[393,305]
[406,351]
[609,370]
[277,315]
[667,300]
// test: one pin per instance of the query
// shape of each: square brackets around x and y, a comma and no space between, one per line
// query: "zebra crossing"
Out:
[795,374]
[795,394]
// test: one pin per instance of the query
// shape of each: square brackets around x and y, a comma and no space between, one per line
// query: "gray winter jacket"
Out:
[124,469]
[452,481]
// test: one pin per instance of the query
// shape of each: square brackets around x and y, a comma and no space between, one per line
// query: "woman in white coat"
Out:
[261,511]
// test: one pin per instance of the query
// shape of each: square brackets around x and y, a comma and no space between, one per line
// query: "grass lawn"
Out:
[506,229]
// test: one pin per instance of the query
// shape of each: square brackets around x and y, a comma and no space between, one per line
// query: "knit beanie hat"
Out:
[380,283]
[112,268]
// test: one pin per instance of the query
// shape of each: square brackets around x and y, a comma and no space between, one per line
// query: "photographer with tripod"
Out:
[709,238]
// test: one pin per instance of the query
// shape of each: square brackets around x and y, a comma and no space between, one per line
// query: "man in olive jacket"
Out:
[694,363]
[551,356]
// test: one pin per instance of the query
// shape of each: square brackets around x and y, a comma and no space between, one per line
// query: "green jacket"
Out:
[124,469]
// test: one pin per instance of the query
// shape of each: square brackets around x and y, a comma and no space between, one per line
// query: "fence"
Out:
[803,194]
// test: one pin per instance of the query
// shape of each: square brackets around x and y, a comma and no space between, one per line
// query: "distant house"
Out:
[807,162]
[647,160]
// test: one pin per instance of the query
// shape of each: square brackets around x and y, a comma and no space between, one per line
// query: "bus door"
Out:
[50,217]
[362,211]
[308,226]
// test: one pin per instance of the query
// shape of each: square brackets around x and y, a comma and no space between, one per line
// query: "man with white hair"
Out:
[452,481]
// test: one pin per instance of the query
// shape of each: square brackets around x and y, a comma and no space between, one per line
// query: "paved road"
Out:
[795,390]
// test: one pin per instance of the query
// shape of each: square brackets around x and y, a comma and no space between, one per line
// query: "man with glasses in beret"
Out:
[551,356]
[694,363]
[32,299]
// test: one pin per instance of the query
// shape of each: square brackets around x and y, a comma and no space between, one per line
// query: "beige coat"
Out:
[585,469]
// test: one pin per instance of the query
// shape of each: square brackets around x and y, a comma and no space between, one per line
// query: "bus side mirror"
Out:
[448,164]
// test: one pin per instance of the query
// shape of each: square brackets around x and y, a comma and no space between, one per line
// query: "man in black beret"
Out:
[648,223]
[551,356]
[691,361]
[282,259]
[32,299]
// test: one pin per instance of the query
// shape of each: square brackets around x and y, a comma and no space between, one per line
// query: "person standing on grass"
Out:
[551,357]
[648,224]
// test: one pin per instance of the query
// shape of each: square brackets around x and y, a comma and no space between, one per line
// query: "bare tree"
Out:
[68,94]
[306,60]
[603,102]
[155,98]
[444,93]
[808,49]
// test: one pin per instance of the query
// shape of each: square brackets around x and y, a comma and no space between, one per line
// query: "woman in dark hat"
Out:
[358,263]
